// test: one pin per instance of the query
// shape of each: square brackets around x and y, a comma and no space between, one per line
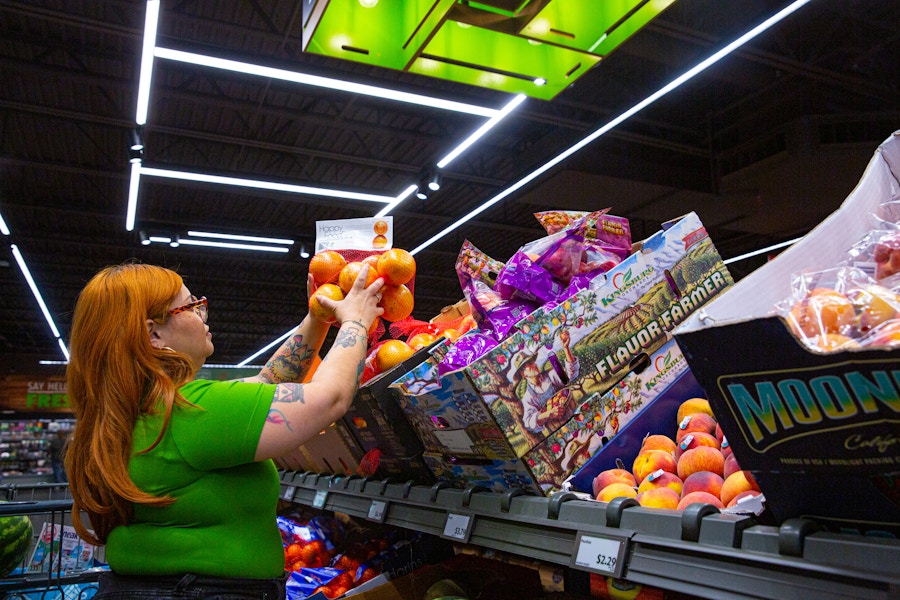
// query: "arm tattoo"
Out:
[288,393]
[359,370]
[277,417]
[347,338]
[291,363]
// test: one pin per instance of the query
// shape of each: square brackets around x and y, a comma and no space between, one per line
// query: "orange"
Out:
[397,302]
[380,227]
[392,353]
[451,334]
[349,273]
[379,241]
[317,310]
[326,265]
[397,266]
[420,340]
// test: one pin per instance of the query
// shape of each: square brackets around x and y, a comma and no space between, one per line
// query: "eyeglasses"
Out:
[198,305]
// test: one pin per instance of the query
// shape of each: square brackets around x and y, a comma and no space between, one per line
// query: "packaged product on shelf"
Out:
[504,404]
[816,428]
[59,548]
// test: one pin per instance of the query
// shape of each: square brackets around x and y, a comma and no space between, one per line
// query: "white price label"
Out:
[377,510]
[602,555]
[289,492]
[319,500]
[457,526]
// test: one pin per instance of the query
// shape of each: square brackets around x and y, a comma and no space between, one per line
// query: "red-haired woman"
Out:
[175,474]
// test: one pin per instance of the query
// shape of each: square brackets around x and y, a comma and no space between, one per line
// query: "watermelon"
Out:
[16,536]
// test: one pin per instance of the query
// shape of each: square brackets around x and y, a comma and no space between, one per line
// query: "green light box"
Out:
[506,45]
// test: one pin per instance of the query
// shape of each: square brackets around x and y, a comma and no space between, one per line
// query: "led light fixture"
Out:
[688,75]
[326,82]
[133,187]
[37,296]
[135,138]
[479,133]
[263,185]
[145,241]
[406,193]
[422,193]
[231,245]
[304,253]
[268,346]
[151,21]
[434,182]
[761,251]
[3,228]
[241,238]
[135,156]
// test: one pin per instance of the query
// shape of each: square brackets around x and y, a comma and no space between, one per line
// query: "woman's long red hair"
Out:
[114,375]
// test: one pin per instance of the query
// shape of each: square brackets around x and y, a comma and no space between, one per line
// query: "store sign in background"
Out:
[25,393]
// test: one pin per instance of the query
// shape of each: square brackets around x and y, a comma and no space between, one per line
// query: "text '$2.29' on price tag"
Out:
[599,554]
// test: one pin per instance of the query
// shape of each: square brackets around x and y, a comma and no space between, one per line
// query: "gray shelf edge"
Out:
[658,550]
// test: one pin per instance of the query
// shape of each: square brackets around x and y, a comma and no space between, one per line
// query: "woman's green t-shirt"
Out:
[223,522]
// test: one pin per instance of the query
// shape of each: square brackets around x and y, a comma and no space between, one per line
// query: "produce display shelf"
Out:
[699,551]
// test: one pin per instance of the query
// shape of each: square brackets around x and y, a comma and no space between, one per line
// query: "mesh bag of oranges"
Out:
[334,272]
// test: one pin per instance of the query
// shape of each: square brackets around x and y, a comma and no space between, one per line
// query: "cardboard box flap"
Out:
[826,246]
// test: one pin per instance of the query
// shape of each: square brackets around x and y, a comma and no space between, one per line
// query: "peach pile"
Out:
[694,465]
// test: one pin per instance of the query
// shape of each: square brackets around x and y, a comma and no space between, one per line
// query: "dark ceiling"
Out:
[762,146]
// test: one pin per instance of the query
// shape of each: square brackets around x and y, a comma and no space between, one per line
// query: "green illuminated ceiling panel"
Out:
[487,58]
[592,26]
[500,44]
[387,34]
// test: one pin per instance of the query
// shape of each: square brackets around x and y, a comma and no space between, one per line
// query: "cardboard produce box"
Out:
[601,429]
[819,431]
[376,424]
[582,347]
[658,416]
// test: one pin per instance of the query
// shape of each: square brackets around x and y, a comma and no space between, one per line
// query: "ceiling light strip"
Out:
[268,346]
[761,251]
[263,185]
[693,72]
[240,238]
[326,82]
[37,295]
[487,126]
[396,201]
[3,228]
[134,185]
[231,245]
[151,22]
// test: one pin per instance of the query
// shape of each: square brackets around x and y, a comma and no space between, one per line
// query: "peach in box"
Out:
[741,481]
[703,481]
[659,442]
[695,422]
[701,458]
[605,478]
[659,479]
[652,460]
[730,466]
[701,497]
[694,439]
[616,490]
[661,497]
[737,499]
[693,405]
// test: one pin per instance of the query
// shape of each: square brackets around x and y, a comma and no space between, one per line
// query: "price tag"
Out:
[600,554]
[377,511]
[458,527]
[289,492]
[319,500]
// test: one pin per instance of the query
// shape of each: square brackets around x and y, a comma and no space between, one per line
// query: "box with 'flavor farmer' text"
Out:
[531,384]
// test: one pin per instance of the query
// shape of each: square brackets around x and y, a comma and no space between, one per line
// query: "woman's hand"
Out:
[360,304]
